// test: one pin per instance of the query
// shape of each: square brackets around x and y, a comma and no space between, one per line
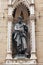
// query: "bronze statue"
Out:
[19,37]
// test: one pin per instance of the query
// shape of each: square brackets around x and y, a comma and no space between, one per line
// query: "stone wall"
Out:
[39,29]
[3,30]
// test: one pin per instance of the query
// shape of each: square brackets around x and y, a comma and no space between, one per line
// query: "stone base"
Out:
[20,57]
[20,61]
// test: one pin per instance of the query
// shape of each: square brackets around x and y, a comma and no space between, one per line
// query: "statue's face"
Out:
[19,19]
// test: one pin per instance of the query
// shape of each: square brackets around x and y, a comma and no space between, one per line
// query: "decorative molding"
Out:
[21,62]
[25,2]
[19,1]
[32,4]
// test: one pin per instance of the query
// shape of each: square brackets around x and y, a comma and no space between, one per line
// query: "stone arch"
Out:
[16,3]
[21,7]
[25,2]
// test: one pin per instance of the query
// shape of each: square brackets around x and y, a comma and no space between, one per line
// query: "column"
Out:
[9,41]
[9,2]
[9,56]
[33,45]
[32,12]
[32,22]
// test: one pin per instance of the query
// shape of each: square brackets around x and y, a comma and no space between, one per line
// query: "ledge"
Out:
[32,62]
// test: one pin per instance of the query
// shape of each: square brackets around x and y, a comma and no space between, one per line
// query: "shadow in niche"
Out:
[14,46]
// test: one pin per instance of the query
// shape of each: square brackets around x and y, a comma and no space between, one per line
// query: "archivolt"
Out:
[24,2]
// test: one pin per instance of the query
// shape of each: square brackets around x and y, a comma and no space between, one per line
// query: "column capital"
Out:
[32,4]
[10,18]
[32,17]
[10,5]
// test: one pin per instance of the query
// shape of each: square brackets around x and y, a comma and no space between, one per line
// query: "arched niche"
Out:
[29,6]
[23,11]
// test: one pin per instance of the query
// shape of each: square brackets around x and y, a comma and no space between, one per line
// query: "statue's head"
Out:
[20,19]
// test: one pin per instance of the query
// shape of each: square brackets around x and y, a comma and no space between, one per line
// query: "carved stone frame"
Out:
[11,6]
